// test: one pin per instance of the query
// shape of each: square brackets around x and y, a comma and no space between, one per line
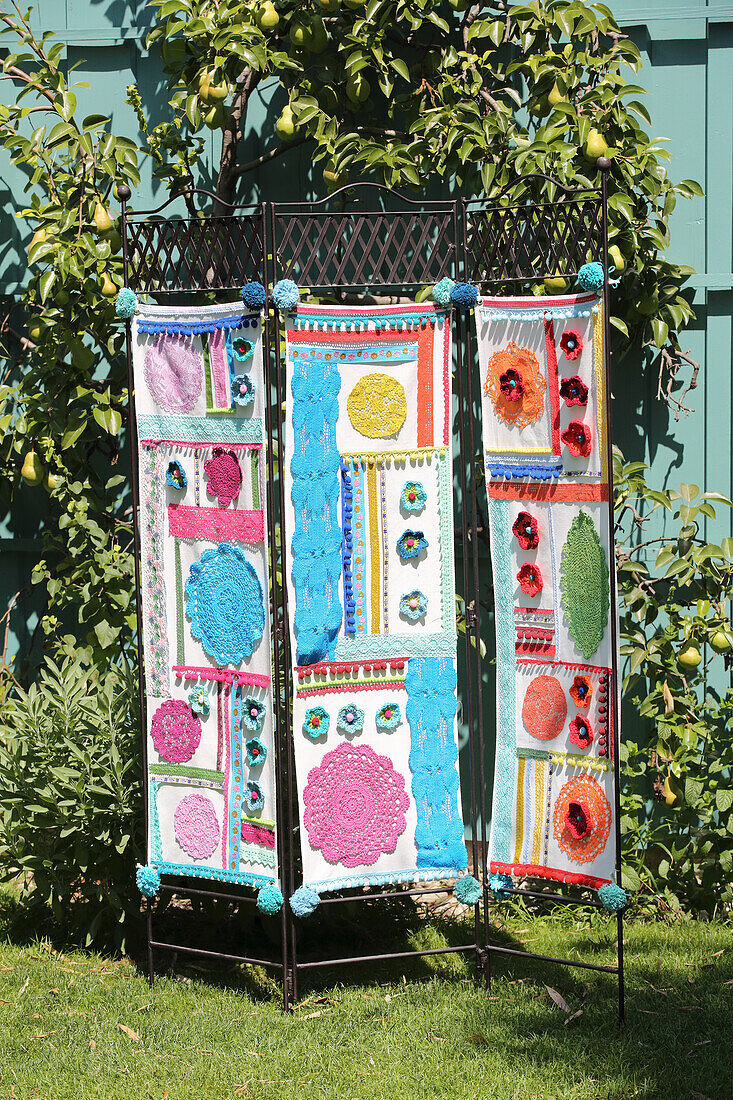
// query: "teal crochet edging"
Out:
[447,577]
[581,309]
[156,850]
[392,878]
[506,756]
[244,878]
[199,429]
[395,645]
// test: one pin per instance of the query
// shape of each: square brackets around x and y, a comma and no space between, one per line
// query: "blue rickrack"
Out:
[541,473]
[347,497]
[180,328]
[400,321]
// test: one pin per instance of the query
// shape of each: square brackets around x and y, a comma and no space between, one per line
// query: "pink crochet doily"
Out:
[355,804]
[176,731]
[197,826]
[225,476]
[173,372]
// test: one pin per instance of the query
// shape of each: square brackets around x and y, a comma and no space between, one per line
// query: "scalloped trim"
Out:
[396,645]
[391,878]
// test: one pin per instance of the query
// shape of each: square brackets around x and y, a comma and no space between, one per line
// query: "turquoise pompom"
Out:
[590,276]
[304,901]
[270,899]
[612,897]
[253,295]
[441,292]
[126,303]
[500,885]
[285,295]
[464,296]
[468,890]
[148,881]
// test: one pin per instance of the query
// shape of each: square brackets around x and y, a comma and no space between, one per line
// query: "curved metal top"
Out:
[596,191]
[443,204]
[189,192]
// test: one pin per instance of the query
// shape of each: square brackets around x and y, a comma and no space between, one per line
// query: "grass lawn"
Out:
[78,1025]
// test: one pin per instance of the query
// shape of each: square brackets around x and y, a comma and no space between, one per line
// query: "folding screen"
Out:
[543,382]
[204,571]
[369,567]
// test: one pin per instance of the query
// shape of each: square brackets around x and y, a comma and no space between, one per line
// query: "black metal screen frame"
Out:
[339,247]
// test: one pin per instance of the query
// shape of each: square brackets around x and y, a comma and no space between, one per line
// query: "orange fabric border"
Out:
[425,432]
[555,492]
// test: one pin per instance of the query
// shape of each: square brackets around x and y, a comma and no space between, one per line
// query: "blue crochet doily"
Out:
[225,604]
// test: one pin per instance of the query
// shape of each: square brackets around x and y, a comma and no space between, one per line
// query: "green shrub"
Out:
[71,817]
[677,756]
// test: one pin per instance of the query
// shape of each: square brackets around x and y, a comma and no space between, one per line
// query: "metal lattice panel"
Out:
[358,249]
[520,243]
[188,254]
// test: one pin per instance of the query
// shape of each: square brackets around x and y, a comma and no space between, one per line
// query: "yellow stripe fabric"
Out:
[376,578]
[539,805]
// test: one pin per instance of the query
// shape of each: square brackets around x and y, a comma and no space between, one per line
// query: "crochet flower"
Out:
[176,475]
[253,714]
[242,348]
[224,476]
[413,497]
[243,390]
[389,717]
[414,605]
[256,752]
[581,692]
[315,723]
[511,385]
[578,820]
[253,796]
[411,544]
[199,700]
[578,438]
[574,391]
[526,532]
[530,579]
[350,719]
[571,343]
[581,733]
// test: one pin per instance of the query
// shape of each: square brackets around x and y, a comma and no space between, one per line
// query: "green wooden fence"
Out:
[687,47]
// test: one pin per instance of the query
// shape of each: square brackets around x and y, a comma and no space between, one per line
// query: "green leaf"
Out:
[723,799]
[693,790]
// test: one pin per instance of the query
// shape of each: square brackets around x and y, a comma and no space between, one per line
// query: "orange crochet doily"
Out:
[585,789]
[545,708]
[529,407]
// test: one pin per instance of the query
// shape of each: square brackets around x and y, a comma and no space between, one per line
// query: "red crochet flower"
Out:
[525,529]
[571,343]
[581,692]
[581,733]
[574,391]
[511,385]
[578,438]
[578,820]
[530,579]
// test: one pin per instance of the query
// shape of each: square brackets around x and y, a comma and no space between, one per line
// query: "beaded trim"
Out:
[347,548]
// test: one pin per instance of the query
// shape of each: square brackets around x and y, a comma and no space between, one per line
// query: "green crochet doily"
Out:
[584,585]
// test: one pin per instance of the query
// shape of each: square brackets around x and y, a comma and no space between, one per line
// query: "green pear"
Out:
[556,284]
[32,470]
[285,125]
[617,258]
[595,145]
[102,220]
[267,17]
[298,35]
[555,96]
[358,88]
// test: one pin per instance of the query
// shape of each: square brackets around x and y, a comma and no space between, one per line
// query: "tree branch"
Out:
[271,154]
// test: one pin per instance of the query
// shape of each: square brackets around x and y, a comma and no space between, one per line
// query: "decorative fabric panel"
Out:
[199,395]
[544,426]
[369,567]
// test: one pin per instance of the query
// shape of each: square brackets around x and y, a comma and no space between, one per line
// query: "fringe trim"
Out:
[526,869]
